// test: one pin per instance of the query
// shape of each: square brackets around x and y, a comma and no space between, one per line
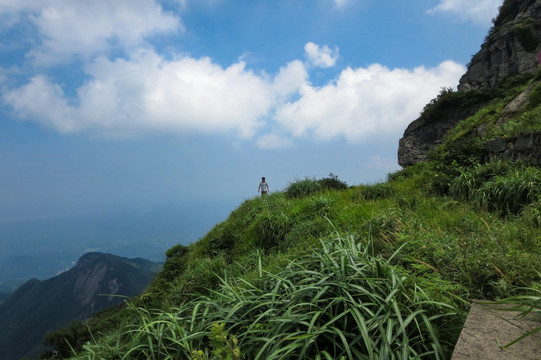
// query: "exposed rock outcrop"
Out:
[420,137]
[523,147]
[511,48]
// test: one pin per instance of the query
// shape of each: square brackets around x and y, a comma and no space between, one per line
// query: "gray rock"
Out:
[490,327]
[511,48]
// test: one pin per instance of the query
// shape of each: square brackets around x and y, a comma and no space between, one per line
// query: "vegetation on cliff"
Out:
[327,272]
[322,270]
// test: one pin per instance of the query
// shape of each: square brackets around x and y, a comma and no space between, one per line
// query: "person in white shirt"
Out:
[263,187]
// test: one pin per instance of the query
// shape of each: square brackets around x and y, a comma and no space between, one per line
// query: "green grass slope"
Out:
[326,271]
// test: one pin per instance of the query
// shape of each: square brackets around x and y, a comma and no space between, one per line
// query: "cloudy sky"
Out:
[110,105]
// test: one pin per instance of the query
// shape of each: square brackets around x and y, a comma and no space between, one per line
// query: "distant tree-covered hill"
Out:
[97,281]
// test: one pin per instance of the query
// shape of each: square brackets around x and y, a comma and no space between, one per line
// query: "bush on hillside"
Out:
[311,186]
[499,186]
[302,188]
[464,102]
[375,191]
[332,183]
[340,301]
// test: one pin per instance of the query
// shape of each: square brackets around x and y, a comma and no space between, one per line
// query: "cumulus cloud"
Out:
[86,28]
[321,56]
[366,102]
[478,11]
[150,94]
[290,78]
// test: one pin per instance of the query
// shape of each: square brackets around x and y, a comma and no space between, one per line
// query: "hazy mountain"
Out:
[3,296]
[43,248]
[97,281]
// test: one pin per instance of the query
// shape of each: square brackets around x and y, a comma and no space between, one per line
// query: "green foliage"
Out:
[302,188]
[223,345]
[72,338]
[311,186]
[66,339]
[464,103]
[375,191]
[508,11]
[534,98]
[332,183]
[339,301]
[499,186]
[525,34]
[276,276]
[532,213]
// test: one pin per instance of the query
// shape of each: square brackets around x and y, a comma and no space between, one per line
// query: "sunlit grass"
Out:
[340,301]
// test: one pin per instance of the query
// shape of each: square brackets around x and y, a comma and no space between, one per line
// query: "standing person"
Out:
[263,187]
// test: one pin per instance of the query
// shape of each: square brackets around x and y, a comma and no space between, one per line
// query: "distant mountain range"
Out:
[97,281]
[42,248]
[3,296]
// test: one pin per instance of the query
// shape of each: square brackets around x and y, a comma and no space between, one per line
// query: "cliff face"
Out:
[511,48]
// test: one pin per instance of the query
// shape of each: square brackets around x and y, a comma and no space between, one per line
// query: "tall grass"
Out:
[499,186]
[324,303]
[340,302]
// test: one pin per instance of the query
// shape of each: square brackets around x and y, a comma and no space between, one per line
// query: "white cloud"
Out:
[273,141]
[41,97]
[147,93]
[478,11]
[321,56]
[290,78]
[86,28]
[150,94]
[340,3]
[366,103]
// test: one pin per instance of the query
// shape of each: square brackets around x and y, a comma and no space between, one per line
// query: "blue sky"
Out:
[114,105]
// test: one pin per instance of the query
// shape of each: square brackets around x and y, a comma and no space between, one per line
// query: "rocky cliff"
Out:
[511,48]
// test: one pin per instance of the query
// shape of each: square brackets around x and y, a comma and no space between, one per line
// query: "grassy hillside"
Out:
[324,270]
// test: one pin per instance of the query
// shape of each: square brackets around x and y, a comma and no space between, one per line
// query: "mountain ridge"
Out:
[97,281]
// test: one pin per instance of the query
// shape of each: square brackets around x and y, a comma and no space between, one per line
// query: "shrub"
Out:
[499,186]
[271,228]
[376,191]
[510,193]
[535,97]
[332,183]
[465,103]
[472,178]
[302,188]
[340,301]
[311,186]
[532,212]
[508,11]
[525,34]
